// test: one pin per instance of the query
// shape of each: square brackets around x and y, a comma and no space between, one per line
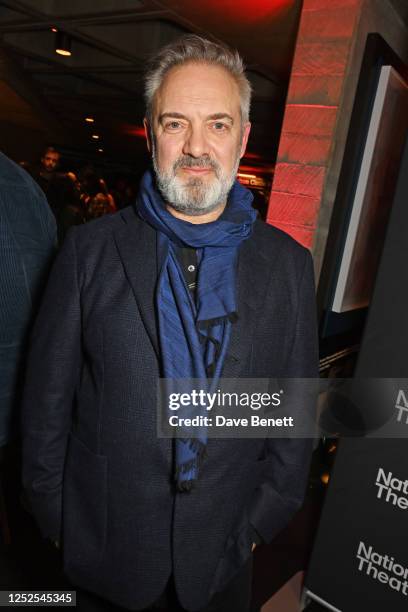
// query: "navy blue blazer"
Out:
[94,468]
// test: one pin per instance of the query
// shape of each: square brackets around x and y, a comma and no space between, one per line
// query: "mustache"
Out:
[187,161]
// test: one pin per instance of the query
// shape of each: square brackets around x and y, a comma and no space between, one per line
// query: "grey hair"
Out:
[191,48]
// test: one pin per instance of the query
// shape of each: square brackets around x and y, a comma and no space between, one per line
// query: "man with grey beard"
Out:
[186,284]
[195,197]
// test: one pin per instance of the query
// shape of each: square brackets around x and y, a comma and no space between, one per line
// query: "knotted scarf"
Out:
[194,336]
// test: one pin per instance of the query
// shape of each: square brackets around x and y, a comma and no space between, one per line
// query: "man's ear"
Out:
[245,135]
[147,134]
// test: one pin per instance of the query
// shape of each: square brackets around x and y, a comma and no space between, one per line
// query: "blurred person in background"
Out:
[27,246]
[124,193]
[68,208]
[95,197]
[46,171]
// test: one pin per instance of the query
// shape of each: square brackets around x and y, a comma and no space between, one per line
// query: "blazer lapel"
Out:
[136,243]
[254,270]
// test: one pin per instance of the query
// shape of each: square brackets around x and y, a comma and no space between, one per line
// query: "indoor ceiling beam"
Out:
[64,22]
[86,39]
[26,88]
[81,69]
[85,76]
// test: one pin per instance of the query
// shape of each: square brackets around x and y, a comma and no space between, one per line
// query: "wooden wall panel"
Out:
[295,208]
[313,120]
[315,89]
[304,149]
[321,57]
[299,178]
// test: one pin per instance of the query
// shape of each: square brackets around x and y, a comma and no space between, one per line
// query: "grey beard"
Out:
[195,197]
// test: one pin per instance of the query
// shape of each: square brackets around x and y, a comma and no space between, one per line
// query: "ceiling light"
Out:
[63,44]
[100,150]
[89,119]
[54,29]
[95,136]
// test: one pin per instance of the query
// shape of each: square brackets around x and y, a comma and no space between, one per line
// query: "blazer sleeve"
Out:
[287,461]
[27,246]
[52,375]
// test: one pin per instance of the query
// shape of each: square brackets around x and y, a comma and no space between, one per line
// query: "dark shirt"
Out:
[188,261]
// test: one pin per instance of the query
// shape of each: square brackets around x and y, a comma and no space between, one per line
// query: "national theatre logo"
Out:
[382,568]
[401,406]
[392,490]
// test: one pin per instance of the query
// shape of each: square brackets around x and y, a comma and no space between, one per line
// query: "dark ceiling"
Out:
[103,78]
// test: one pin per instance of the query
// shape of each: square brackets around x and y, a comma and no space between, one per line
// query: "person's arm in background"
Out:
[51,379]
[112,204]
[37,251]
[287,461]
[27,247]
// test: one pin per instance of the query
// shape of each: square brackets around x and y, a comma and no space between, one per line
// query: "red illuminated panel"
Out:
[329,23]
[303,149]
[318,58]
[299,178]
[315,120]
[293,208]
[322,52]
[323,89]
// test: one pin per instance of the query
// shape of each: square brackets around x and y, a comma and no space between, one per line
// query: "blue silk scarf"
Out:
[194,336]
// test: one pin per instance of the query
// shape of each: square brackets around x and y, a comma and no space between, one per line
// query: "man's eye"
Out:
[173,125]
[219,126]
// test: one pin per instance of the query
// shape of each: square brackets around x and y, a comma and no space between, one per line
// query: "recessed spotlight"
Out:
[62,44]
[89,119]
[100,150]
[63,52]
[54,29]
[95,136]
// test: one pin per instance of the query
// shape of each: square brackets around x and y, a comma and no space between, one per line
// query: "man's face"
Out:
[197,137]
[50,160]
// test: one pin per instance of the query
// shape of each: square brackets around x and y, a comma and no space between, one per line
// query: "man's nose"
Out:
[196,143]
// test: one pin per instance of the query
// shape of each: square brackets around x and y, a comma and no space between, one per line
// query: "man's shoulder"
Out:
[12,175]
[24,204]
[103,228]
[271,240]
